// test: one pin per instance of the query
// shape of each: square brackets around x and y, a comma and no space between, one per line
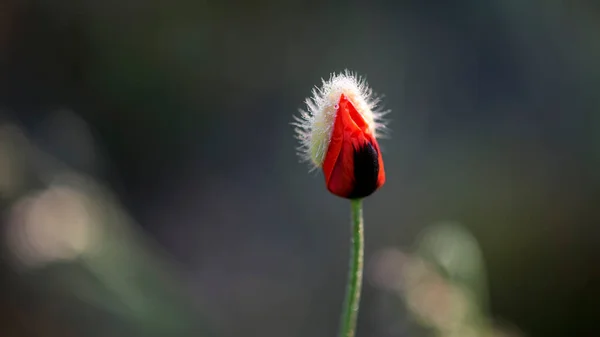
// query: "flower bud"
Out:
[338,133]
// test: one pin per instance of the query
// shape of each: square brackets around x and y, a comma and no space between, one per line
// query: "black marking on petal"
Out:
[366,171]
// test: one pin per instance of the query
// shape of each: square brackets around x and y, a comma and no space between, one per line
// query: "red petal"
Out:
[353,166]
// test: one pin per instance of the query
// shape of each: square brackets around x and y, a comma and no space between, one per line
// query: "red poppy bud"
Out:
[338,134]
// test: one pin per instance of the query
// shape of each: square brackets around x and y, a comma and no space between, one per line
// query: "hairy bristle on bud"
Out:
[315,124]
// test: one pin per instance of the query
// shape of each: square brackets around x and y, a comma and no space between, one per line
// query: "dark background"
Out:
[182,108]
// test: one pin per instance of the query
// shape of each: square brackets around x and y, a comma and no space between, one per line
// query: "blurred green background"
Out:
[149,183]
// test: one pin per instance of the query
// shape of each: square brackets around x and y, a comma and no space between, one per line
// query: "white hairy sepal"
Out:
[315,124]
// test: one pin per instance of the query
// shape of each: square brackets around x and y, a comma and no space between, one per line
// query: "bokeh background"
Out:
[149,184]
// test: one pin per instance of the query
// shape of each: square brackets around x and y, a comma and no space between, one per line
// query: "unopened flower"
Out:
[338,133]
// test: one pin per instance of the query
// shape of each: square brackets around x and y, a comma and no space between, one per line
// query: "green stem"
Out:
[355,275]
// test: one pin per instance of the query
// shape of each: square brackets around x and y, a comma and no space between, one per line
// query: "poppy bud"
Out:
[338,133]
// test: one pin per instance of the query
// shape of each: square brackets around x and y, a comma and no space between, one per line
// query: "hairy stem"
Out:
[355,275]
